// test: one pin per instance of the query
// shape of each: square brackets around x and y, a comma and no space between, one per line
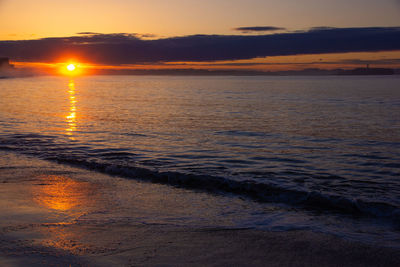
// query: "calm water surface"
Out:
[323,142]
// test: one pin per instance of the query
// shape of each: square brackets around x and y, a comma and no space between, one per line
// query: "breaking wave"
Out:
[122,163]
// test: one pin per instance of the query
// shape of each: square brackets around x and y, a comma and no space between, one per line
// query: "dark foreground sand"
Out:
[52,215]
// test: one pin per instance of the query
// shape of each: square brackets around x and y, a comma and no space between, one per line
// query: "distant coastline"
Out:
[8,70]
[205,72]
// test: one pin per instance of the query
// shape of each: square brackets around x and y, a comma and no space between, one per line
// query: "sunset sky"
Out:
[235,34]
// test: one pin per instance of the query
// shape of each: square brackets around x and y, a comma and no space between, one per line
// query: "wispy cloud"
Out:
[321,28]
[87,33]
[259,29]
[137,35]
[122,48]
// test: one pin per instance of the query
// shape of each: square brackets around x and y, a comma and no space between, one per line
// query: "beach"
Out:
[56,215]
[199,171]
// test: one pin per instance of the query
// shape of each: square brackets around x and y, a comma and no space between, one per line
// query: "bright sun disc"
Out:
[71,67]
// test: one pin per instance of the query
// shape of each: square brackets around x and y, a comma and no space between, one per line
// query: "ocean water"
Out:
[322,148]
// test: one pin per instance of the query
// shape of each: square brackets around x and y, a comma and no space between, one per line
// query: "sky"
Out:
[157,26]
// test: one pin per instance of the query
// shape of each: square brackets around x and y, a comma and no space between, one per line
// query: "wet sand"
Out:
[55,215]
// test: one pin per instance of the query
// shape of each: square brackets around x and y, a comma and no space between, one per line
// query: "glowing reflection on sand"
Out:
[65,236]
[71,117]
[72,198]
[62,193]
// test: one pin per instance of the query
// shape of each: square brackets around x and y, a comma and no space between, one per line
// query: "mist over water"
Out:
[326,143]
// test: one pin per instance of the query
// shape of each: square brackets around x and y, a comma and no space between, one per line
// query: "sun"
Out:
[71,67]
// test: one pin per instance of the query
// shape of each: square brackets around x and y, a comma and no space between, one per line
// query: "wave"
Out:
[106,161]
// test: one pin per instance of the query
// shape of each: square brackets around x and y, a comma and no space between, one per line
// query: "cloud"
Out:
[122,48]
[259,29]
[322,28]
[398,4]
[137,35]
[87,33]
[146,35]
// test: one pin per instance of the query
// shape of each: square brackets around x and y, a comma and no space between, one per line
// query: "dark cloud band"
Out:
[259,29]
[131,49]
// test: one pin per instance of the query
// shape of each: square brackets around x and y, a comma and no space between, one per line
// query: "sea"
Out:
[308,153]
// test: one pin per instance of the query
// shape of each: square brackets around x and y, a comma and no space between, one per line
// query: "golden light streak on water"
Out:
[71,117]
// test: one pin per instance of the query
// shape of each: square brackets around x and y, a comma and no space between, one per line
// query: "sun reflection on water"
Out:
[71,117]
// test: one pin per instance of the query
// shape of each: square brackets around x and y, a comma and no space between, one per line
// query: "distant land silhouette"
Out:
[367,71]
[205,72]
[8,70]
[5,63]
[5,67]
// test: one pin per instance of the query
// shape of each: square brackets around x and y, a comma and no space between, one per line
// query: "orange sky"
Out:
[27,19]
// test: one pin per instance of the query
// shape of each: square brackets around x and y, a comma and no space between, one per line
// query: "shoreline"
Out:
[60,215]
[155,245]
